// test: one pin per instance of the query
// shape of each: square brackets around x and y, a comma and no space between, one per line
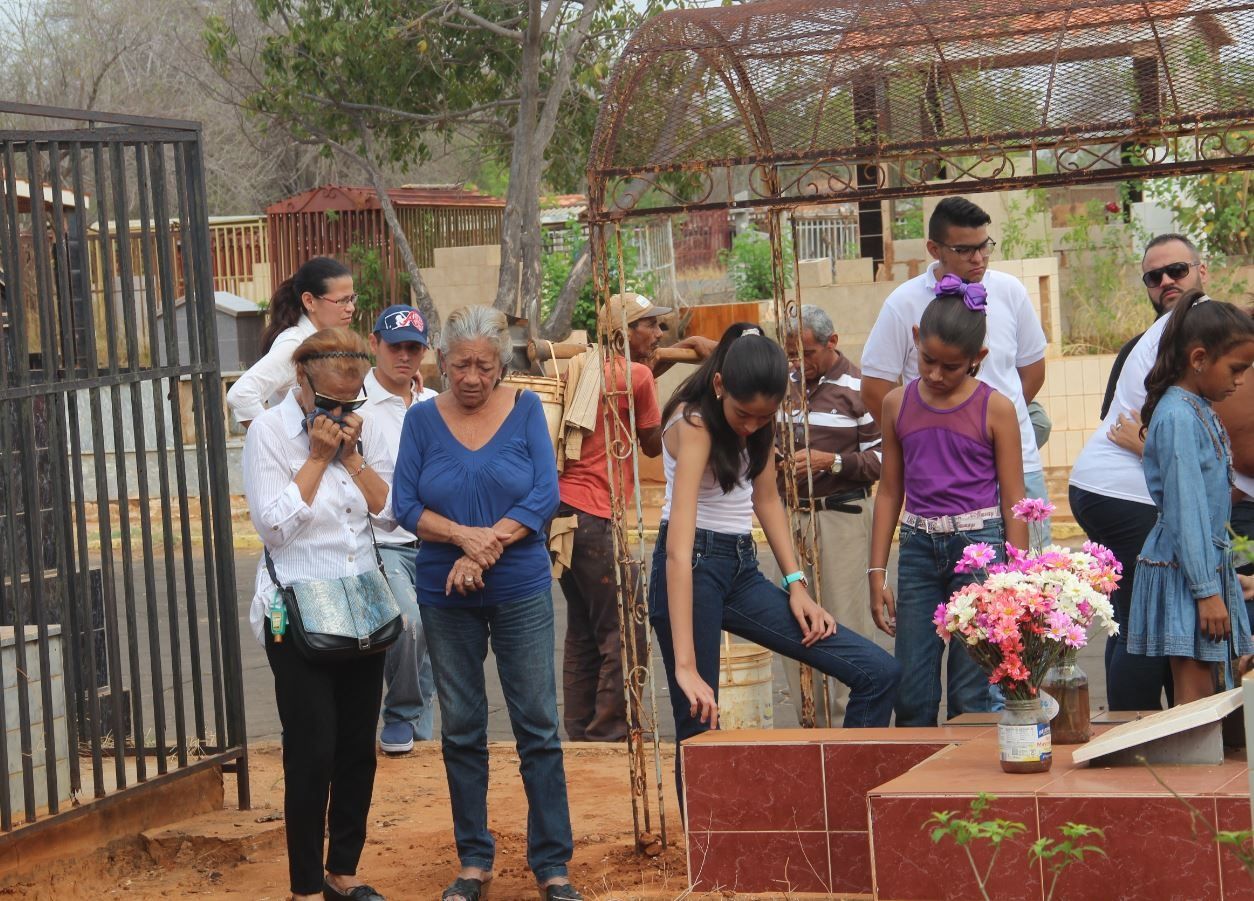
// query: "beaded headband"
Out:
[338,355]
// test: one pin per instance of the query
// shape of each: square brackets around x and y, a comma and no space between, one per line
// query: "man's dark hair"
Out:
[1168,238]
[955,211]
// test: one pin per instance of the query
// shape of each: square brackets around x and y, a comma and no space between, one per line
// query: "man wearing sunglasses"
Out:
[1108,493]
[399,343]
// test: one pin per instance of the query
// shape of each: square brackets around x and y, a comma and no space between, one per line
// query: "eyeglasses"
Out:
[327,404]
[341,302]
[1177,271]
[972,250]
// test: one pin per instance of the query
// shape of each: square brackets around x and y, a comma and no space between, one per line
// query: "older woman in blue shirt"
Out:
[476,480]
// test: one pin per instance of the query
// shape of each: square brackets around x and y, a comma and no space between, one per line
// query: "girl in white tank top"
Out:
[718,454]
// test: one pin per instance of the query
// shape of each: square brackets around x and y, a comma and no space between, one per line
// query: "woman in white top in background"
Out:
[717,451]
[320,295]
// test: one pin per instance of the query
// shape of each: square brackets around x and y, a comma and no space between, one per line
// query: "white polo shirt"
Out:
[1104,467]
[1015,339]
[383,415]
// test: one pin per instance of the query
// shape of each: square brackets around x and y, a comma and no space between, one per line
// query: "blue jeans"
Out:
[926,579]
[410,696]
[521,633]
[730,593]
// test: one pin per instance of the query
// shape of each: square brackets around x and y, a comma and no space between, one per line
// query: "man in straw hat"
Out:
[594,703]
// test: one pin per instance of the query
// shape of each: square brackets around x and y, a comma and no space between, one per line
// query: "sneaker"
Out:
[396,738]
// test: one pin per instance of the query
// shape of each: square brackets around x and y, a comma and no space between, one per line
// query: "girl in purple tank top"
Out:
[952,454]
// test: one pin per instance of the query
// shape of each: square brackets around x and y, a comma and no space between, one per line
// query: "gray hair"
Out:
[818,322]
[471,323]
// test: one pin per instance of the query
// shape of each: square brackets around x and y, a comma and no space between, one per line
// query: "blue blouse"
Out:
[513,476]
[1188,471]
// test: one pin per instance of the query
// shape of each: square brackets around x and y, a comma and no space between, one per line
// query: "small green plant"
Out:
[1055,854]
[749,264]
[555,270]
[1239,842]
[1015,244]
[370,281]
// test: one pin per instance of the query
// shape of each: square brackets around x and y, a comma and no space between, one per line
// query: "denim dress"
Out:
[1187,556]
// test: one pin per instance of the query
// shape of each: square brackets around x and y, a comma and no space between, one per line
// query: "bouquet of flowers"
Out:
[1027,613]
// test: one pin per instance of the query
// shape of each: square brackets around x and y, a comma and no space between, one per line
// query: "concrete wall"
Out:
[33,686]
[463,275]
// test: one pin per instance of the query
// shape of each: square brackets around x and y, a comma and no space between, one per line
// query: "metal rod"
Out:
[152,617]
[65,487]
[165,277]
[34,485]
[87,609]
[122,241]
[112,639]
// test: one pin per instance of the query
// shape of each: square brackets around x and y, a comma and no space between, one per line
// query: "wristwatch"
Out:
[837,465]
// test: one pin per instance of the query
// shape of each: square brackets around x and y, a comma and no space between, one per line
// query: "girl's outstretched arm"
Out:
[1003,426]
[816,623]
[889,496]
[689,443]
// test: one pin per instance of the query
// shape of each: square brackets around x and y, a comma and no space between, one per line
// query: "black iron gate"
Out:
[119,638]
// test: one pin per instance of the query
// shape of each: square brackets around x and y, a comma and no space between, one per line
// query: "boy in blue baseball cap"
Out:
[399,342]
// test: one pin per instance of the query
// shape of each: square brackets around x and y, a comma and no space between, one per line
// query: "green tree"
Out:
[385,81]
[749,264]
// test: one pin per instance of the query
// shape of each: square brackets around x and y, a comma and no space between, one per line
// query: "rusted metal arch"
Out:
[907,37]
[903,37]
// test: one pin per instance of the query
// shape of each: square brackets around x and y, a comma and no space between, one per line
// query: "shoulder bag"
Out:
[336,620]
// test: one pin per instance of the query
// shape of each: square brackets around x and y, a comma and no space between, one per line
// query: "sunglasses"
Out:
[1177,271]
[327,404]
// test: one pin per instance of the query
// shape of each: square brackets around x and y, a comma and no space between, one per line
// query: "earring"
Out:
[1197,369]
[718,396]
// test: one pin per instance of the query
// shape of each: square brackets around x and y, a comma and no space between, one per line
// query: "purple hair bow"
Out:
[974,295]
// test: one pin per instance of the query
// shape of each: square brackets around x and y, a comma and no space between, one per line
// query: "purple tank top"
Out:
[947,455]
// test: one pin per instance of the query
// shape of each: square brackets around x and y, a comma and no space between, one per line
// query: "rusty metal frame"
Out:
[861,45]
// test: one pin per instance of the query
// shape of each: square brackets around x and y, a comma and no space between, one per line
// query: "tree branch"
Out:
[560,82]
[450,116]
[557,324]
[512,34]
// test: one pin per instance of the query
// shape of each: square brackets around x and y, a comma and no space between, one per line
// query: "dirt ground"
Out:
[409,851]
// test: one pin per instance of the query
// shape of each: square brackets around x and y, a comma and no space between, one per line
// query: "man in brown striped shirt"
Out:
[843,455]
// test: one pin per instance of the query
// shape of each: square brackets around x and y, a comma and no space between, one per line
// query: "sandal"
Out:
[467,889]
[561,892]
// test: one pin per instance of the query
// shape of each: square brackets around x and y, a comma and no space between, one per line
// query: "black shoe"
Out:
[563,892]
[465,887]
[357,893]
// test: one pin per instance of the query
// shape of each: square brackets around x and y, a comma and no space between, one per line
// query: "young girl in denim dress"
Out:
[952,456]
[1186,601]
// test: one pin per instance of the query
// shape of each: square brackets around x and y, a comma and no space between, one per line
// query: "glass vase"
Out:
[1067,684]
[1023,737]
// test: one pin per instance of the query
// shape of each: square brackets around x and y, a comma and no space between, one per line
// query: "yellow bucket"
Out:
[745,684]
[550,391]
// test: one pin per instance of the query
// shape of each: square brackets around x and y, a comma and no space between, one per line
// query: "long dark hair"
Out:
[1196,321]
[285,305]
[751,365]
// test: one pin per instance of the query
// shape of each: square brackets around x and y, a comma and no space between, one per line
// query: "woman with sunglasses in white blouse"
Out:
[310,492]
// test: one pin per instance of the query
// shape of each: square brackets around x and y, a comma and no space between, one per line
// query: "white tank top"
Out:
[730,513]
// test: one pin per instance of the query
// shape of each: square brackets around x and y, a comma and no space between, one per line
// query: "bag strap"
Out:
[374,541]
[274,577]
